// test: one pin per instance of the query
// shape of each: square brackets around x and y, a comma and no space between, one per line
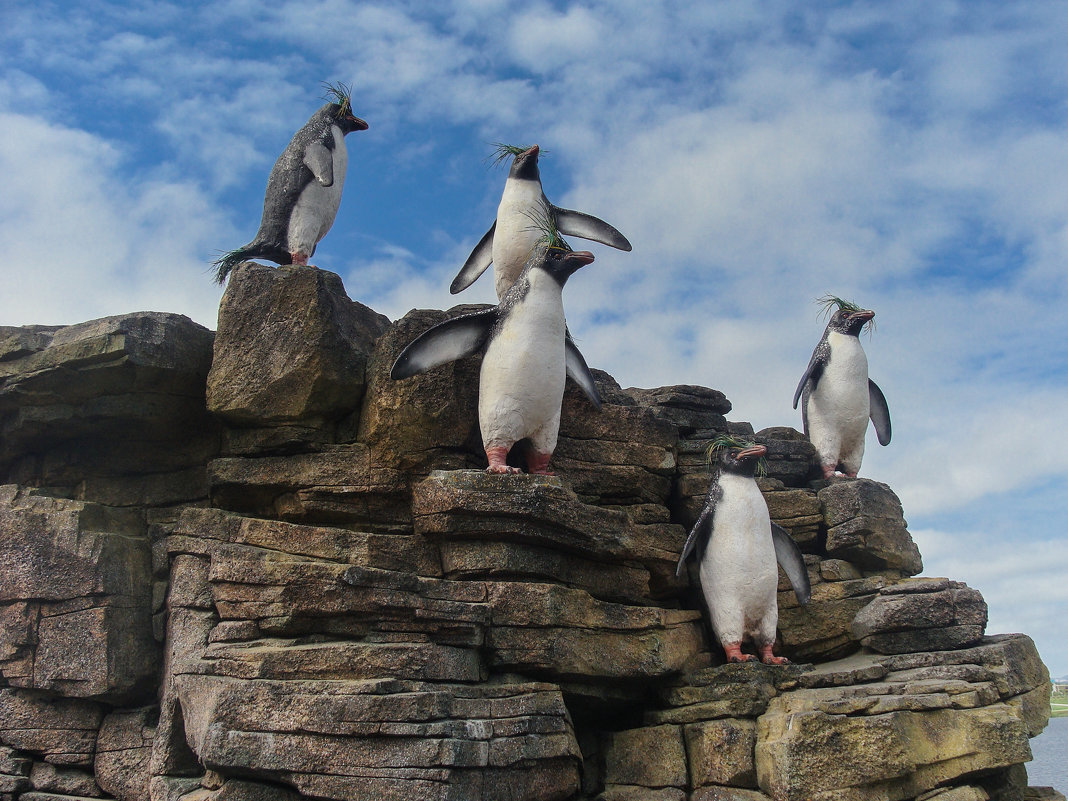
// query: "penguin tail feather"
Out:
[225,263]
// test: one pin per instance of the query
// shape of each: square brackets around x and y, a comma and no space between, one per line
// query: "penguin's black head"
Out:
[524,160]
[551,253]
[525,165]
[560,263]
[848,318]
[737,456]
[340,109]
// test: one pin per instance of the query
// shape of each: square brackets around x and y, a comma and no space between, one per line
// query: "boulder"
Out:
[790,457]
[291,346]
[75,598]
[124,753]
[348,739]
[429,420]
[110,410]
[46,778]
[866,526]
[857,743]
[922,615]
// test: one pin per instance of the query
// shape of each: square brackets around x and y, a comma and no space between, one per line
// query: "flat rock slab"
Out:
[536,510]
[339,484]
[394,739]
[199,530]
[566,633]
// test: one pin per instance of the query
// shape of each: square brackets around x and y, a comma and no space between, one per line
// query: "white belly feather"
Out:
[522,380]
[739,574]
[838,409]
[516,231]
[317,205]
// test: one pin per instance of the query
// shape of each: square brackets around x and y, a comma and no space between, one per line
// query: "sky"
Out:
[910,156]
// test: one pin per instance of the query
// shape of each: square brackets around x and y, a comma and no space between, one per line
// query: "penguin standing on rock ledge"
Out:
[738,549]
[837,396]
[527,355]
[304,188]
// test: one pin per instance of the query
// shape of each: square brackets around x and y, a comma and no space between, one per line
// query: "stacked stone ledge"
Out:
[287,577]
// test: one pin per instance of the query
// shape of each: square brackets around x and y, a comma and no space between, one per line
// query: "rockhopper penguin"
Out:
[738,548]
[304,188]
[837,397]
[508,242]
[526,356]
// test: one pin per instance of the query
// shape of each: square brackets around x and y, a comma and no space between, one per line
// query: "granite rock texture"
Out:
[289,578]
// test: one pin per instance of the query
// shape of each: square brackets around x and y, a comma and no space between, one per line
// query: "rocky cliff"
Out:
[250,567]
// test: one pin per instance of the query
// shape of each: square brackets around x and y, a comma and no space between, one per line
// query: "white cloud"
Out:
[83,244]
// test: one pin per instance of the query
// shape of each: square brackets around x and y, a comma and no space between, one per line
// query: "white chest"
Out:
[516,231]
[522,378]
[317,205]
[842,390]
[739,574]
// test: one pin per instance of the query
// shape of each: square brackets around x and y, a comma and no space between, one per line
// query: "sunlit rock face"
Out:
[292,579]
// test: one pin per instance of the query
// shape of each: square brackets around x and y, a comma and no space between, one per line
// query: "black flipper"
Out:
[814,369]
[702,529]
[879,412]
[792,562]
[481,258]
[578,372]
[445,342]
[586,226]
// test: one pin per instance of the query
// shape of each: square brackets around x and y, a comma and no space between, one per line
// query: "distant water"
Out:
[1050,765]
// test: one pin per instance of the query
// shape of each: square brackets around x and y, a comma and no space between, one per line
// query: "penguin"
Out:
[526,354]
[509,240]
[838,398]
[737,548]
[304,188]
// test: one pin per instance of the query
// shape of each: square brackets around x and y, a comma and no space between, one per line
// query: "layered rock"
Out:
[317,593]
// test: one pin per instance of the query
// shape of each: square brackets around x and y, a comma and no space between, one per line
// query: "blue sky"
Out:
[912,156]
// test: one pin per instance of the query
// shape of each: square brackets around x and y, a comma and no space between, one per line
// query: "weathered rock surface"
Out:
[318,593]
[290,347]
[921,615]
[75,598]
[110,410]
[865,526]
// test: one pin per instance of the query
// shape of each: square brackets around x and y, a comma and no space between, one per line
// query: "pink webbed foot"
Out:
[768,657]
[497,456]
[828,471]
[300,259]
[538,464]
[733,650]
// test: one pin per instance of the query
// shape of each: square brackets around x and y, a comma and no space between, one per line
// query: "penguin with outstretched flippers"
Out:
[303,190]
[837,396]
[508,242]
[526,356]
[738,550]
